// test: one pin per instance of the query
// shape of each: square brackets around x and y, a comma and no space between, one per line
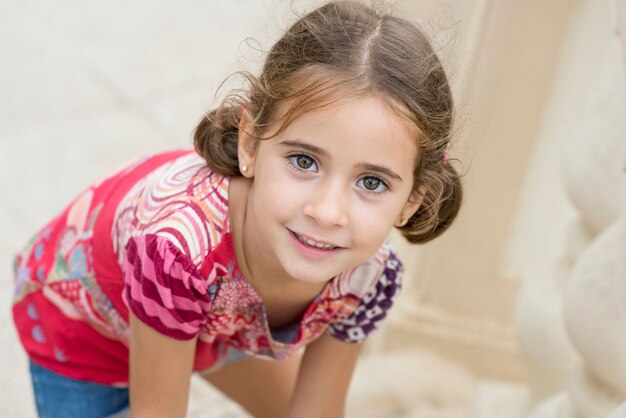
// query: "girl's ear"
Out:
[411,206]
[246,145]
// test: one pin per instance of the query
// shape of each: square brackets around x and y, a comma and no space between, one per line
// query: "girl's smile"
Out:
[323,194]
[314,248]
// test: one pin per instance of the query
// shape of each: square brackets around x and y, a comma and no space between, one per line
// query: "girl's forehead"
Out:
[372,111]
[357,115]
[366,129]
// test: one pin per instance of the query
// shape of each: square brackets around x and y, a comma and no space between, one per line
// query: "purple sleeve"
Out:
[163,288]
[373,307]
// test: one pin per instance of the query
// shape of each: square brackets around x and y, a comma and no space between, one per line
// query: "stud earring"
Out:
[403,221]
[244,168]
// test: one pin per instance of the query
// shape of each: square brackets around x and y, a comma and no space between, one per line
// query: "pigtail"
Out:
[215,139]
[451,201]
[441,204]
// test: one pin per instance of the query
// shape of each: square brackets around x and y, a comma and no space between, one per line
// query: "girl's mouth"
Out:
[317,245]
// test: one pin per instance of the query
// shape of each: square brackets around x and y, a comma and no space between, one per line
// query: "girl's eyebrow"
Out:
[305,146]
[383,170]
[369,167]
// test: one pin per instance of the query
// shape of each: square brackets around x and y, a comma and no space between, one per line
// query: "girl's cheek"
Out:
[289,189]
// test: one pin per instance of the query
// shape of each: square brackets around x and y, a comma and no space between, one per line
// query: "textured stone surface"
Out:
[595,306]
[595,158]
[543,340]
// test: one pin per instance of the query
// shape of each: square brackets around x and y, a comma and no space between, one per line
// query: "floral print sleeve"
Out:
[163,288]
[373,306]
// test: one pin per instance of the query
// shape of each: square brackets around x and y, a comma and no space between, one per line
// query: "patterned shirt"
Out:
[155,239]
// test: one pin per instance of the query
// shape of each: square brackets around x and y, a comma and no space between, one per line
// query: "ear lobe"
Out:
[246,146]
[411,206]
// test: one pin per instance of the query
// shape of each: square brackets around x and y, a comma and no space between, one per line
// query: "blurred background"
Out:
[518,311]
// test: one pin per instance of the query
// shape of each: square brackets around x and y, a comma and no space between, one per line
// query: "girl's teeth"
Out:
[315,244]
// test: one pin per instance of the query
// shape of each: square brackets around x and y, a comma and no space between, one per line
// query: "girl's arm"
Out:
[324,378]
[160,372]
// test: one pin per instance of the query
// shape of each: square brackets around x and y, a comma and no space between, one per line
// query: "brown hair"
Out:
[346,48]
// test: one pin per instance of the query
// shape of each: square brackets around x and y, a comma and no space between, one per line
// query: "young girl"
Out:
[266,243]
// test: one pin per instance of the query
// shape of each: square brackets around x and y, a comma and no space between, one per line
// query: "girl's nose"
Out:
[328,205]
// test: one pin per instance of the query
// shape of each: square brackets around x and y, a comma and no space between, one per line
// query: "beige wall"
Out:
[460,294]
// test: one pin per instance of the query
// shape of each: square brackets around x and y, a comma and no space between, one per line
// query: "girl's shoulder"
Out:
[183,201]
[367,292]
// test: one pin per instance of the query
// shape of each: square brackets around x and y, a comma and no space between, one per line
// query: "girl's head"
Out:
[340,54]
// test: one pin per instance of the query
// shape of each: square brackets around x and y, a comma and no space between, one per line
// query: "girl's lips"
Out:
[314,242]
[312,251]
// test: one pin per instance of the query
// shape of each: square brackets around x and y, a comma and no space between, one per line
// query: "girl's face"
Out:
[326,192]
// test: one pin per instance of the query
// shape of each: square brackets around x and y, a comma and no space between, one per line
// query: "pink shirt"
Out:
[155,239]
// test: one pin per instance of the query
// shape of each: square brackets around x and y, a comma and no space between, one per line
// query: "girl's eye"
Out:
[372,184]
[303,162]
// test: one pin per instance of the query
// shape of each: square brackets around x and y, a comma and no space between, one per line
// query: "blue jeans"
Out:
[58,396]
